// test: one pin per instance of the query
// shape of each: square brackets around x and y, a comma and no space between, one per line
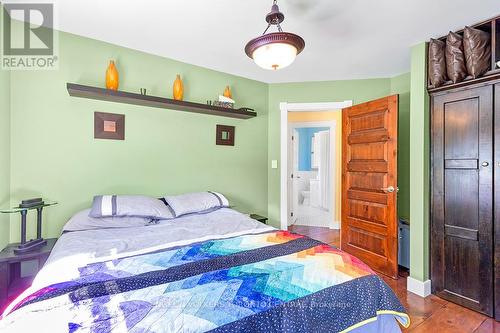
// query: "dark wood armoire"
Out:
[465,188]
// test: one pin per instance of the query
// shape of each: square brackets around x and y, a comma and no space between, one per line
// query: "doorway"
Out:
[307,113]
[311,174]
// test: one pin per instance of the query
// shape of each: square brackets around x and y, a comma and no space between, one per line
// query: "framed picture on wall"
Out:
[225,135]
[110,126]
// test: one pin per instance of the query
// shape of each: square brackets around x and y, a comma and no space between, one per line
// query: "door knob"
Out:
[389,189]
[485,164]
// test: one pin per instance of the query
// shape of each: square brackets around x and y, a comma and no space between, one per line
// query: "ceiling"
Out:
[349,39]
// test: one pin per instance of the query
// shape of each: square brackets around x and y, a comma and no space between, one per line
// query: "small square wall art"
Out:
[225,135]
[109,126]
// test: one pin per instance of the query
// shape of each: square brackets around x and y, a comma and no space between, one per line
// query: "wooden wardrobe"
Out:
[465,202]
[465,186]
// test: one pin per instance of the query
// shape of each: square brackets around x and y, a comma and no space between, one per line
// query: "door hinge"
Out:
[293,138]
[291,176]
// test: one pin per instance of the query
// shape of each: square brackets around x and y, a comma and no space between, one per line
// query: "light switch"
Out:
[274,164]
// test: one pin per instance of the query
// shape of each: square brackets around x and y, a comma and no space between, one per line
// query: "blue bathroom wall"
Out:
[305,138]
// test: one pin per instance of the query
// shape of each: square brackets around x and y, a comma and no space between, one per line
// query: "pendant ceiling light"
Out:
[275,50]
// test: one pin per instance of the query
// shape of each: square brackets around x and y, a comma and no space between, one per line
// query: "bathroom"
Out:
[311,199]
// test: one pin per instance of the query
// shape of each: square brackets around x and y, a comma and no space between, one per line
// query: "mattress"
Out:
[215,272]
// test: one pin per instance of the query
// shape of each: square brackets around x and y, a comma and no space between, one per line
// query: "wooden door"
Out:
[369,183]
[462,197]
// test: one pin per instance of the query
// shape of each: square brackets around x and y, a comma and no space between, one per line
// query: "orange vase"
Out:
[227,92]
[178,88]
[112,77]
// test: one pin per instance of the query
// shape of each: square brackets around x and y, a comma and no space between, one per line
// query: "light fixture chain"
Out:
[268,26]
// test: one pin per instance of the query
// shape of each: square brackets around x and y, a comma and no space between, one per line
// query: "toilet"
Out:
[306,195]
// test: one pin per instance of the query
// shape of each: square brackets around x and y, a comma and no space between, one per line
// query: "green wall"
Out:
[4,154]
[419,165]
[54,154]
[358,91]
[401,85]
[4,148]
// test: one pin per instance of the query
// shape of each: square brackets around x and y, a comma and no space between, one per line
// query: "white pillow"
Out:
[129,205]
[82,221]
[200,202]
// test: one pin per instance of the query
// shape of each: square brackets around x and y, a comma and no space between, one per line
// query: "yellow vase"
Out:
[178,88]
[112,77]
[227,92]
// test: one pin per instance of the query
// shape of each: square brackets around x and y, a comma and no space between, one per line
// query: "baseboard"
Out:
[422,289]
[335,225]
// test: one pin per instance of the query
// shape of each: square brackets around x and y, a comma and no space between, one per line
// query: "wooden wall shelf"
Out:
[78,90]
[488,76]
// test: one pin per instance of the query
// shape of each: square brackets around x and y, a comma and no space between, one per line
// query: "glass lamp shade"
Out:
[276,50]
[275,56]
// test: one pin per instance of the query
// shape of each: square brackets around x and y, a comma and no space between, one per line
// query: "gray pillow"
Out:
[82,221]
[129,205]
[200,202]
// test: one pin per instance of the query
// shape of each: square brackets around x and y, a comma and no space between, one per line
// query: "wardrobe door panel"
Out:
[496,250]
[462,197]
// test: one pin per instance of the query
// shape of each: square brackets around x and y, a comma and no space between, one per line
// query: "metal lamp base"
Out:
[32,245]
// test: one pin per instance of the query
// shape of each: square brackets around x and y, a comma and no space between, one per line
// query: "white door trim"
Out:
[284,109]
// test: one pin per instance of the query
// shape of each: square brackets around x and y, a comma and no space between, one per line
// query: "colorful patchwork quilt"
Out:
[271,282]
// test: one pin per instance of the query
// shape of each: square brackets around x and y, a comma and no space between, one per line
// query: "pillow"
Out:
[437,62]
[82,221]
[455,59]
[201,202]
[477,49]
[129,205]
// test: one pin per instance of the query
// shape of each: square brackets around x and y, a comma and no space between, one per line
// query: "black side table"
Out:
[259,218]
[11,283]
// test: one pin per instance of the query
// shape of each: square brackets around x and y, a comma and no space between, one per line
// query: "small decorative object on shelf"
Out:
[23,208]
[225,102]
[178,89]
[143,91]
[226,105]
[227,92]
[246,109]
[112,77]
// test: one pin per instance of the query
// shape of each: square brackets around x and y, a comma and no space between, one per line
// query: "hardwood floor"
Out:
[430,314]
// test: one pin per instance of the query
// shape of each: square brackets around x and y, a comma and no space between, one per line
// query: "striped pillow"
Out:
[129,205]
[200,202]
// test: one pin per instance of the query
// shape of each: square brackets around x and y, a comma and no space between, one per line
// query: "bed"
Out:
[215,272]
